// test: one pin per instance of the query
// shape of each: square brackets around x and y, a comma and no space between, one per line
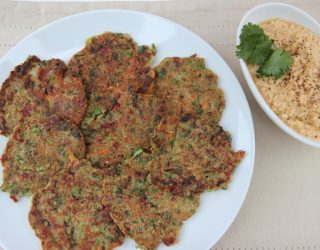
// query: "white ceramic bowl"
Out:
[258,14]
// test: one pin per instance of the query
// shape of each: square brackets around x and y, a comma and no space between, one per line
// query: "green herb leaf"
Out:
[46,223]
[118,170]
[162,73]
[256,48]
[251,38]
[199,66]
[129,53]
[261,52]
[186,133]
[110,238]
[89,40]
[19,158]
[114,101]
[139,187]
[197,106]
[99,242]
[152,223]
[277,65]
[37,130]
[249,30]
[137,152]
[61,151]
[58,201]
[26,190]
[75,192]
[116,190]
[153,48]
[97,111]
[141,49]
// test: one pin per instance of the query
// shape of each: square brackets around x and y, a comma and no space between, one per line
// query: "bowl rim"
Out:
[252,86]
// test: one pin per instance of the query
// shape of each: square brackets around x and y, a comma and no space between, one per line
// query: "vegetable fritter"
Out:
[142,211]
[200,158]
[38,150]
[40,83]
[113,60]
[114,136]
[114,70]
[69,214]
[187,81]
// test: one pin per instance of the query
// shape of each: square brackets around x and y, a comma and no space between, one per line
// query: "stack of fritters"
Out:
[152,139]
[37,150]
[155,132]
[40,87]
[41,104]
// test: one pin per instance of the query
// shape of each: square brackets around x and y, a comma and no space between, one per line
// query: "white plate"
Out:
[285,11]
[61,39]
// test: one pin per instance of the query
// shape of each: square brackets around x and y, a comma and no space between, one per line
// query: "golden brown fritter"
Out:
[40,83]
[142,211]
[200,158]
[69,214]
[114,70]
[38,150]
[17,99]
[114,136]
[113,60]
[187,81]
[191,92]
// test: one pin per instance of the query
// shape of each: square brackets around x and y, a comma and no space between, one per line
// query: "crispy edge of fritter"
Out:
[39,224]
[192,181]
[199,86]
[18,71]
[178,65]
[139,74]
[51,122]
[46,90]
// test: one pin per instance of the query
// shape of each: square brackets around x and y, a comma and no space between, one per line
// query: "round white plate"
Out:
[63,38]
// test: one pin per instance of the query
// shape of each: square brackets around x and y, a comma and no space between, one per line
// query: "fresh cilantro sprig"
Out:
[254,45]
[277,64]
[257,48]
